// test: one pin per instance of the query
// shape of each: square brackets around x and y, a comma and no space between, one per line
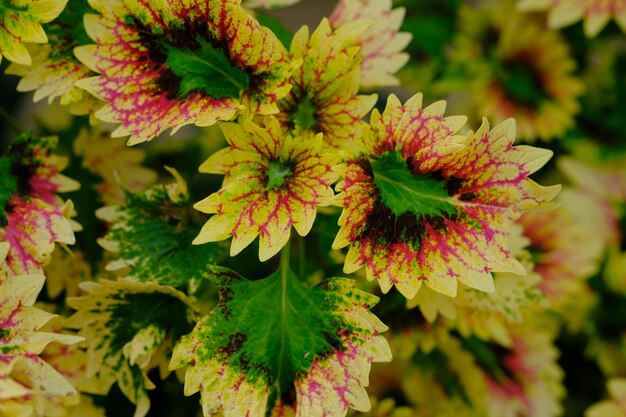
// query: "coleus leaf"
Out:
[23,371]
[489,316]
[54,69]
[147,51]
[21,23]
[486,181]
[152,233]
[381,45]
[274,346]
[130,328]
[34,217]
[323,97]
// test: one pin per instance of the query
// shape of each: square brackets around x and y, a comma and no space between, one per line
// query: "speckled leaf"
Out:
[22,370]
[21,22]
[152,233]
[275,345]
[55,69]
[33,215]
[130,328]
[459,197]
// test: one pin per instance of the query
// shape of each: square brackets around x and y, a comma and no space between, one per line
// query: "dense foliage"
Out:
[454,173]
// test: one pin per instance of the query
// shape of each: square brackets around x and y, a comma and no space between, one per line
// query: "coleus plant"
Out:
[436,216]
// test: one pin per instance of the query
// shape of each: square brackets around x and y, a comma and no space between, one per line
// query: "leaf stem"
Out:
[284,261]
[10,120]
[301,257]
[284,273]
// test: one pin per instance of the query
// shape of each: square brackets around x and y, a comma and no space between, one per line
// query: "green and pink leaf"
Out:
[423,204]
[34,217]
[157,73]
[274,344]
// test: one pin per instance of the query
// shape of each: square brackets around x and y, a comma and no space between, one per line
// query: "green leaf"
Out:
[206,69]
[8,186]
[273,336]
[152,233]
[403,191]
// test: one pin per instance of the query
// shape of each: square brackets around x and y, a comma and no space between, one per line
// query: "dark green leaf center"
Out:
[273,329]
[402,191]
[536,254]
[304,116]
[278,174]
[4,333]
[208,69]
[136,311]
[522,83]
